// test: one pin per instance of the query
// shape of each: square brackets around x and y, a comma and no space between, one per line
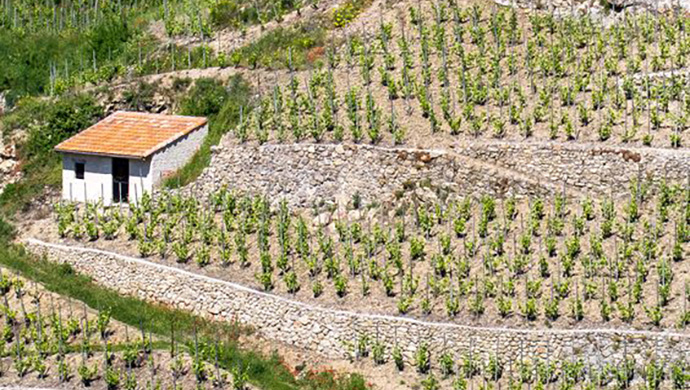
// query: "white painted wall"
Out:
[140,178]
[174,156]
[144,175]
[97,180]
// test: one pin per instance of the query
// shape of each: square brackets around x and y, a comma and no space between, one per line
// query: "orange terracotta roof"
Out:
[131,134]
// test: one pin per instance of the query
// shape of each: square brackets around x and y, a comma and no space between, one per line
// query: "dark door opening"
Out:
[120,180]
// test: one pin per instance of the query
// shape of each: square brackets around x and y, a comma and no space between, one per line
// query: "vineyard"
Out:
[449,76]
[48,340]
[462,368]
[425,74]
[562,261]
[94,43]
[438,73]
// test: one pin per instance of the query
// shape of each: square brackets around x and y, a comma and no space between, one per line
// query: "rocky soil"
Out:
[9,165]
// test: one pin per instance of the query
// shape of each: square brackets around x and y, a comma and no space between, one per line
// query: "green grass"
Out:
[237,14]
[18,196]
[271,50]
[97,345]
[28,57]
[201,159]
[7,231]
[63,280]
[46,122]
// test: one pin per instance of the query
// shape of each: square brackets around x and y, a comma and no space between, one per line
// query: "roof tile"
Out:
[131,134]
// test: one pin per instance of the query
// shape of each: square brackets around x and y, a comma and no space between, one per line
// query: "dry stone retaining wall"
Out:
[596,8]
[307,173]
[590,167]
[328,332]
[304,174]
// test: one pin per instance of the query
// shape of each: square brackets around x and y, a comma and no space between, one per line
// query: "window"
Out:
[79,170]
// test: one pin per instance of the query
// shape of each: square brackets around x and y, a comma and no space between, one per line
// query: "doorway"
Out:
[120,180]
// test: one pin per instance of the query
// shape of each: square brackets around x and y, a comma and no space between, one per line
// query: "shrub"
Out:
[233,14]
[207,97]
[398,358]
[271,50]
[141,97]
[422,358]
[61,120]
[226,13]
[237,94]
[109,36]
[7,231]
[48,122]
[346,13]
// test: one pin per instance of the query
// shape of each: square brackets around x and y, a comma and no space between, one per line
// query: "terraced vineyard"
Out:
[49,340]
[96,43]
[529,261]
[439,72]
[463,278]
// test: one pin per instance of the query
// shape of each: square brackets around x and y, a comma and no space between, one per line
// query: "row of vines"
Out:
[65,344]
[558,260]
[468,73]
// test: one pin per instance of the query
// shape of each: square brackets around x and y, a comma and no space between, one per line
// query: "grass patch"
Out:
[7,231]
[238,14]
[18,196]
[201,159]
[271,50]
[27,56]
[63,280]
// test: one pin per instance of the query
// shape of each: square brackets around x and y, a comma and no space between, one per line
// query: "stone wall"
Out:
[307,173]
[173,156]
[9,172]
[328,332]
[589,167]
[597,8]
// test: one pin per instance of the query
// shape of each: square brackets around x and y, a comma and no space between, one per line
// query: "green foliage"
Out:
[7,231]
[87,374]
[207,97]
[58,121]
[48,122]
[110,35]
[422,358]
[348,11]
[28,54]
[240,14]
[265,371]
[272,48]
[235,95]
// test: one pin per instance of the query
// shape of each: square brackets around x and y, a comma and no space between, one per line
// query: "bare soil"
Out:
[376,301]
